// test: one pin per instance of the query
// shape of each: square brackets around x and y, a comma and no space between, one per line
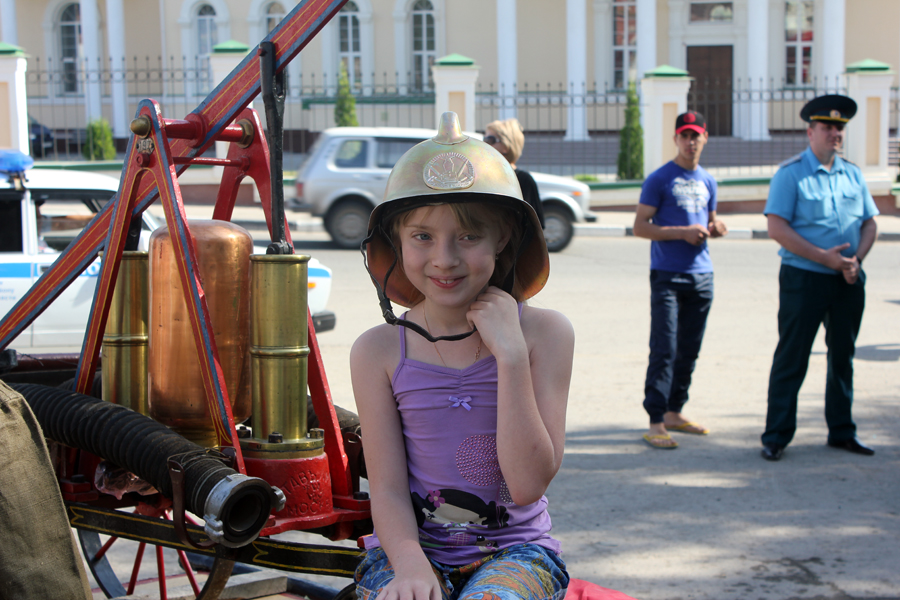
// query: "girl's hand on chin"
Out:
[496,315]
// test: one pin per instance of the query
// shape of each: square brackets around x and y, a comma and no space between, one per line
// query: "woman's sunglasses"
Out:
[491,139]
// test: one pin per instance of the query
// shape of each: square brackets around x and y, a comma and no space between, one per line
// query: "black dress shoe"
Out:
[852,445]
[772,452]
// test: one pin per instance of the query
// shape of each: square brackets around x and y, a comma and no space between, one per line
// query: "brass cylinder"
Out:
[124,351]
[278,354]
[177,396]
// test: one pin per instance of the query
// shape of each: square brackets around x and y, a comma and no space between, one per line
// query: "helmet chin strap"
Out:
[387,310]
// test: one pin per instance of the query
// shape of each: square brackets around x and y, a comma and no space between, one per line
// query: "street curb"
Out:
[583,230]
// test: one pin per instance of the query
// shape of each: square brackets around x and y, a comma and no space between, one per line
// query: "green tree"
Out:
[345,108]
[99,143]
[631,139]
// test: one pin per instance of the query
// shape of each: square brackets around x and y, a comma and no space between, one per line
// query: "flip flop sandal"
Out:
[657,441]
[689,427]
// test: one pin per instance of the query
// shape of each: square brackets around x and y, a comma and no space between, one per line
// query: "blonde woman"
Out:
[507,138]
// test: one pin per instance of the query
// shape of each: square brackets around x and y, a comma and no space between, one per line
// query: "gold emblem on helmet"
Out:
[449,171]
[835,114]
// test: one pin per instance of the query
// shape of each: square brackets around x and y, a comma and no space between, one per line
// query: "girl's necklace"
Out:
[428,327]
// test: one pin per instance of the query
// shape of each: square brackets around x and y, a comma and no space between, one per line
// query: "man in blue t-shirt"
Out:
[821,212]
[678,212]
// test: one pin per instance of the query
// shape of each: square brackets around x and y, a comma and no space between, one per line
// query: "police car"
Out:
[41,216]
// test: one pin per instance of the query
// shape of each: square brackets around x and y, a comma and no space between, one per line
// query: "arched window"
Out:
[274,14]
[423,45]
[69,40]
[798,37]
[348,44]
[624,42]
[207,34]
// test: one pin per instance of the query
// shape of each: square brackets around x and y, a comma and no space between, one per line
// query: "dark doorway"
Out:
[710,95]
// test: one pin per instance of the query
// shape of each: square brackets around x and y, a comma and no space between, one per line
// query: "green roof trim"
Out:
[10,50]
[455,60]
[869,66]
[666,71]
[231,47]
[306,103]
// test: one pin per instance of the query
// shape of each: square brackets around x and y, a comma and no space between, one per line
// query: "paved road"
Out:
[710,520]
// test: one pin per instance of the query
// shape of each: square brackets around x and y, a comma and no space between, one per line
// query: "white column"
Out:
[507,57]
[831,48]
[646,37]
[752,110]
[678,19]
[663,98]
[454,88]
[401,64]
[576,69]
[14,119]
[90,53]
[10,24]
[367,44]
[115,35]
[603,43]
[869,84]
[331,68]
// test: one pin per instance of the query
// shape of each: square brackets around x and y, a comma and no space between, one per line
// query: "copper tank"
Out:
[177,397]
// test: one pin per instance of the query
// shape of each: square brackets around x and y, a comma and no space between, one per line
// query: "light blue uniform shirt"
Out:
[826,208]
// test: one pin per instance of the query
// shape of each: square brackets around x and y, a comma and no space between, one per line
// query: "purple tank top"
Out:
[461,502]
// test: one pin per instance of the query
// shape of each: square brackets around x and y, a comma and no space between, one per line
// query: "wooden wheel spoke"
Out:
[137,567]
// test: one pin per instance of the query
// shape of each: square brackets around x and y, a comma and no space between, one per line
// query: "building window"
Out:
[624,42]
[798,37]
[69,41]
[712,12]
[207,35]
[423,45]
[274,14]
[348,44]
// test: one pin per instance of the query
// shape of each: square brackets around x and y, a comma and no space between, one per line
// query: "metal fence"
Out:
[569,131]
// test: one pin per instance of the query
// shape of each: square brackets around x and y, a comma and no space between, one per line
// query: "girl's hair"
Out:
[479,217]
[510,133]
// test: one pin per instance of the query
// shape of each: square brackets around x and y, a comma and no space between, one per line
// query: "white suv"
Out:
[38,222]
[346,171]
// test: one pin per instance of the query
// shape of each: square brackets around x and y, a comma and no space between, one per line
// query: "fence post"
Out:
[869,84]
[663,97]
[454,88]
[13,107]
[224,59]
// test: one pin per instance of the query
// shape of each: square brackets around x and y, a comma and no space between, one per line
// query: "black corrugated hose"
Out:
[143,446]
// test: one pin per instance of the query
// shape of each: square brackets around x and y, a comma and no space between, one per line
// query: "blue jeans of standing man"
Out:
[679,306]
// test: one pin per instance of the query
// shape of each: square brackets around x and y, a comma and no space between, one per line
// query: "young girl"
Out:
[464,403]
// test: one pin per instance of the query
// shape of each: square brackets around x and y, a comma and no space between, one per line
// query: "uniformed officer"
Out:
[821,212]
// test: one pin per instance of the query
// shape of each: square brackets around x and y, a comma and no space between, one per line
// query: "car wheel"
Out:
[558,228]
[348,223]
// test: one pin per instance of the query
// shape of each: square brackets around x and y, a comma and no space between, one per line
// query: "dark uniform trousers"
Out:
[808,298]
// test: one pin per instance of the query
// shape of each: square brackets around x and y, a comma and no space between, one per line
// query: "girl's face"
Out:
[447,263]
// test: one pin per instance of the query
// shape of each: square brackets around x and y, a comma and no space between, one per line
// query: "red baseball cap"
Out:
[690,120]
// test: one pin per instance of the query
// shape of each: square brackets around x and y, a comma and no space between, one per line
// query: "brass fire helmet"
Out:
[451,167]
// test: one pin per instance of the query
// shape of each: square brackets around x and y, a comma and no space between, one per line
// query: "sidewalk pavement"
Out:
[608,224]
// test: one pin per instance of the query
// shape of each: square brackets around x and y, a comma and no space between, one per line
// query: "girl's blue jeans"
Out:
[522,572]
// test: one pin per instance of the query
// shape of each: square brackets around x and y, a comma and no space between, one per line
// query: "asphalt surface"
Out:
[712,519]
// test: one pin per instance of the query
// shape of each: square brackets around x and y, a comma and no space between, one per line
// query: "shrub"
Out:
[99,143]
[345,108]
[631,139]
